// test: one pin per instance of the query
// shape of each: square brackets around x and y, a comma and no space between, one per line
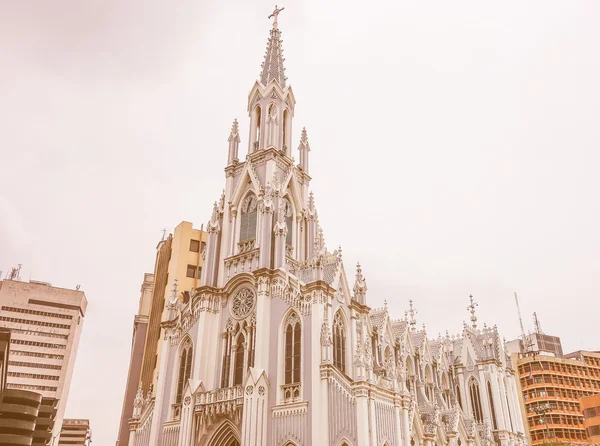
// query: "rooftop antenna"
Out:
[164,234]
[536,323]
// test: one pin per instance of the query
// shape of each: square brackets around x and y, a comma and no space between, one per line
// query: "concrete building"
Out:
[178,260]
[590,407]
[45,324]
[275,346]
[550,391]
[75,432]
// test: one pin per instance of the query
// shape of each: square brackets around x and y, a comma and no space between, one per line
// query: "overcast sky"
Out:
[454,151]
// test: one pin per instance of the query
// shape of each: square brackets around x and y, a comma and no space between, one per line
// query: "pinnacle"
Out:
[234,127]
[304,138]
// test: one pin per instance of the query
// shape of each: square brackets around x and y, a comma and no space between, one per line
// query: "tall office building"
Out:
[178,256]
[45,324]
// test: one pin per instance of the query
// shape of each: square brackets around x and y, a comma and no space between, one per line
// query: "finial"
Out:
[385,304]
[412,311]
[471,309]
[359,275]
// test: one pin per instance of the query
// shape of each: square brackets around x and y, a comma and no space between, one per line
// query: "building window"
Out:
[248,218]
[339,343]
[238,374]
[191,271]
[195,245]
[493,411]
[185,369]
[476,401]
[292,349]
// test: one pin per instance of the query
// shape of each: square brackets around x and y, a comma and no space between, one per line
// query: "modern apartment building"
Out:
[45,324]
[178,265]
[551,389]
[75,432]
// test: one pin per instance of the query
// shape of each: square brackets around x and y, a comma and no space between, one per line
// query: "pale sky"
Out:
[454,152]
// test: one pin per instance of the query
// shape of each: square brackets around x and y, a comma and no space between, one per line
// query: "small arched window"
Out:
[292,349]
[248,218]
[185,369]
[339,343]
[476,401]
[238,374]
[493,411]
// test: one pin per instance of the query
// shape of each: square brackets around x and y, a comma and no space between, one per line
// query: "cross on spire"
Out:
[274,14]
[471,309]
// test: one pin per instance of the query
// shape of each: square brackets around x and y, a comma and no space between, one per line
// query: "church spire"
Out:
[272,67]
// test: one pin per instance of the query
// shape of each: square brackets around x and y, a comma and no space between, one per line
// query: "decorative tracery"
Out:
[242,303]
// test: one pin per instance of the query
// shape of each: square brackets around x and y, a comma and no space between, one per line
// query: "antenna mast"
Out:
[520,318]
[536,322]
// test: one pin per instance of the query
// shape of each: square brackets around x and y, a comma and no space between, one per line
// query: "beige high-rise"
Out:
[45,324]
[178,261]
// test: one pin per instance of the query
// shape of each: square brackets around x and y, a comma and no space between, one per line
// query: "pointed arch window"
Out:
[476,401]
[185,369]
[248,218]
[339,343]
[238,371]
[493,411]
[293,334]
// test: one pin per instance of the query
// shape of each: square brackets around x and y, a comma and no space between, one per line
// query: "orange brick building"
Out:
[551,389]
[590,407]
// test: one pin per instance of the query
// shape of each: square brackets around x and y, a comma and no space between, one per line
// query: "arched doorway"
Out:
[225,435]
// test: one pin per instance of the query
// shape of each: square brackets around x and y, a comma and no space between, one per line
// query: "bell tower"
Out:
[271,102]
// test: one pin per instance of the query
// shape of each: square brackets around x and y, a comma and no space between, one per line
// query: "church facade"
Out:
[277,347]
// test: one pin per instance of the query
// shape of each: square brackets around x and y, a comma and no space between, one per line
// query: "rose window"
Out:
[242,304]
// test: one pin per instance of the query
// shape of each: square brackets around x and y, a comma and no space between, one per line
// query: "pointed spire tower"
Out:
[271,101]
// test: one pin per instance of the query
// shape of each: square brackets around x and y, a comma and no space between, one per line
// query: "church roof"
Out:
[378,318]
[418,337]
[272,67]
[399,328]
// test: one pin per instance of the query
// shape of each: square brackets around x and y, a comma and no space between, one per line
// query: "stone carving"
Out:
[138,403]
[242,303]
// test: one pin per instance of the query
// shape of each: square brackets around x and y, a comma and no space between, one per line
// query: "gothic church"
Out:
[278,348]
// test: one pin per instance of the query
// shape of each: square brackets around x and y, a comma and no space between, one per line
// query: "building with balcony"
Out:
[275,346]
[551,388]
[45,324]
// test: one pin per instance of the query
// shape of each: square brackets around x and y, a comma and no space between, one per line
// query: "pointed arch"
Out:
[248,217]
[292,332]
[287,131]
[475,397]
[225,435]
[339,341]
[255,128]
[238,363]
[185,366]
